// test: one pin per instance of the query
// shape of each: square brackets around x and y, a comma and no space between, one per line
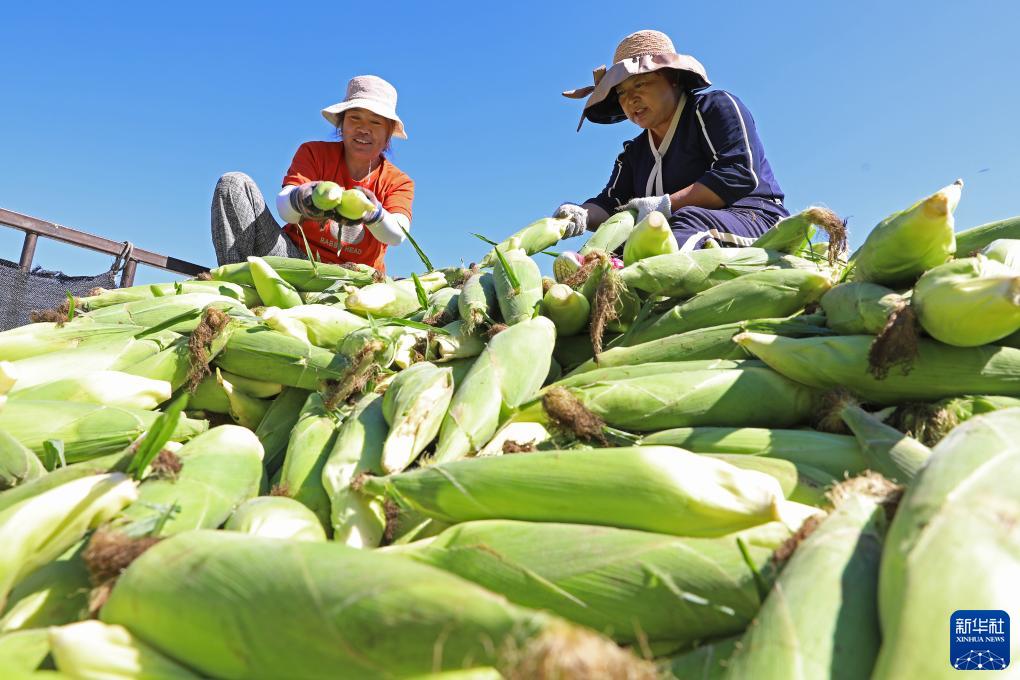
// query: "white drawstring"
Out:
[654,186]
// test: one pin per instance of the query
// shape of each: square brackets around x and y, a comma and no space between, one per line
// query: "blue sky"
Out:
[117,118]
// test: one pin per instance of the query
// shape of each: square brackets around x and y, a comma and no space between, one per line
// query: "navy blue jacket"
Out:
[715,143]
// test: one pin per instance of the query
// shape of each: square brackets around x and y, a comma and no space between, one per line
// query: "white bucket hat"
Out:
[371,93]
[639,52]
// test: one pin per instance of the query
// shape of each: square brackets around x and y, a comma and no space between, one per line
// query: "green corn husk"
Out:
[705,662]
[111,388]
[53,595]
[825,595]
[322,325]
[303,274]
[683,275]
[357,521]
[517,303]
[477,300]
[842,361]
[714,342]
[220,469]
[263,354]
[36,339]
[40,529]
[961,514]
[1005,251]
[906,244]
[213,585]
[23,651]
[310,443]
[661,396]
[791,234]
[770,293]
[383,299]
[86,430]
[650,237]
[443,307]
[17,463]
[534,238]
[659,489]
[888,451]
[627,372]
[391,337]
[500,379]
[858,308]
[566,265]
[568,309]
[276,517]
[834,454]
[968,302]
[155,311]
[246,294]
[246,410]
[91,649]
[115,354]
[611,234]
[414,407]
[253,388]
[432,282]
[458,343]
[666,589]
[114,462]
[274,430]
[800,483]
[974,239]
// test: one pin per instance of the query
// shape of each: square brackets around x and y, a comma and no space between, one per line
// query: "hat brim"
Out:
[332,114]
[603,107]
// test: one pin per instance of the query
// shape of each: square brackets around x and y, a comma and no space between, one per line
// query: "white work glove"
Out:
[649,204]
[578,217]
[302,204]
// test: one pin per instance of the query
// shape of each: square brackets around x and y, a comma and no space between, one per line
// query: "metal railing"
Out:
[34,228]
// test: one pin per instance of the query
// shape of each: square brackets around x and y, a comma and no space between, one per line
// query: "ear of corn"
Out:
[156,311]
[500,379]
[246,294]
[23,651]
[112,388]
[834,454]
[566,265]
[263,354]
[52,595]
[517,301]
[650,237]
[414,406]
[276,517]
[859,307]
[220,469]
[311,441]
[825,594]
[770,293]
[888,451]
[383,299]
[799,482]
[322,325]
[906,244]
[661,397]
[36,339]
[91,649]
[659,489]
[968,302]
[458,343]
[114,462]
[18,464]
[477,300]
[960,514]
[611,234]
[357,521]
[274,429]
[431,282]
[252,387]
[842,361]
[86,430]
[39,529]
[791,234]
[327,195]
[1004,250]
[443,306]
[567,308]
[664,590]
[299,272]
[534,238]
[974,239]
[214,584]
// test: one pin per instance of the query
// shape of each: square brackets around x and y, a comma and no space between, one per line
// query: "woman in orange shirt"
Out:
[365,120]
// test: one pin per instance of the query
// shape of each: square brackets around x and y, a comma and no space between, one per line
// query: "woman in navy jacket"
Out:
[699,159]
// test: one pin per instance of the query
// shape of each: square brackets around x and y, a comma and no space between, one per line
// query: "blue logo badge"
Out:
[979,640]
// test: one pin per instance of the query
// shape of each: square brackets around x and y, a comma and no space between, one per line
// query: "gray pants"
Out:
[242,224]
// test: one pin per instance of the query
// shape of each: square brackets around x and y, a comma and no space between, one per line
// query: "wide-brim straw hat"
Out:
[371,93]
[639,52]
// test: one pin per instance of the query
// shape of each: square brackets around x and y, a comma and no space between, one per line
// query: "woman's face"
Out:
[648,99]
[365,134]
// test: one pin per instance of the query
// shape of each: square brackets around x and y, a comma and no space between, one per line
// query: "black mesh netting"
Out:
[23,292]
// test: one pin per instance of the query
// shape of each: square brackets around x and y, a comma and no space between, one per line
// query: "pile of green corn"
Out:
[754,462]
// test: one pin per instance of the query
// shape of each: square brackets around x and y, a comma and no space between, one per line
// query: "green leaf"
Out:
[172,321]
[157,436]
[423,297]
[515,283]
[759,582]
[395,321]
[489,241]
[53,453]
[421,253]
[70,306]
[178,288]
[308,250]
